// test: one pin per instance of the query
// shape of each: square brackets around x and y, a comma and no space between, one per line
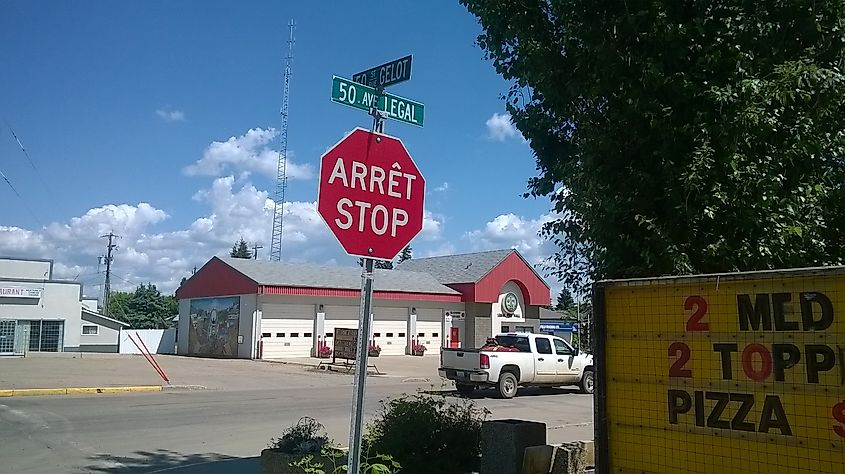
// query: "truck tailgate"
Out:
[461,359]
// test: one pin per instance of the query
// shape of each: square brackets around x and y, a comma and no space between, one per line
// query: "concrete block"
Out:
[573,458]
[503,444]
[538,459]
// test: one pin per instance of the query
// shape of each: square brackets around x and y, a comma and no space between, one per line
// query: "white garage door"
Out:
[430,329]
[287,330]
[389,330]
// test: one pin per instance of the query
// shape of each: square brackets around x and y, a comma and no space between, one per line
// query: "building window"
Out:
[390,334]
[46,336]
[280,334]
[506,328]
[294,334]
[266,334]
[307,334]
[401,334]
[90,330]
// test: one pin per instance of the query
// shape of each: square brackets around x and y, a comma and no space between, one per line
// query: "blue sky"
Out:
[156,120]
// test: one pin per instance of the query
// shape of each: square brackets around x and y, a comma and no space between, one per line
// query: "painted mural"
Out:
[214,327]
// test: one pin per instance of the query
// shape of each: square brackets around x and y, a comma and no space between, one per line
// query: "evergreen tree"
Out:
[241,250]
[406,254]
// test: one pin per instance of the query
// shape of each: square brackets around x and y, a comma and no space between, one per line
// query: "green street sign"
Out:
[363,97]
[387,74]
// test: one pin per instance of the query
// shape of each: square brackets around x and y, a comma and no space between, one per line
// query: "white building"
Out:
[40,314]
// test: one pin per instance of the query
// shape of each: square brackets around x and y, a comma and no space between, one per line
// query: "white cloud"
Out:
[246,153]
[446,248]
[146,254]
[442,188]
[432,226]
[170,115]
[501,128]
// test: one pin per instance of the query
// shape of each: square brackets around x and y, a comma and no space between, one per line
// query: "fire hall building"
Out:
[257,309]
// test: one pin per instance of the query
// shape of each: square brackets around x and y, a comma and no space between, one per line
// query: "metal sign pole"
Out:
[364,321]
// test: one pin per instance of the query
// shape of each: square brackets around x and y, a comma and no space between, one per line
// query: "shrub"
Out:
[379,464]
[307,436]
[427,434]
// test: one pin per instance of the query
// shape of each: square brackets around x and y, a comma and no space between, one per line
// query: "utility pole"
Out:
[255,248]
[107,287]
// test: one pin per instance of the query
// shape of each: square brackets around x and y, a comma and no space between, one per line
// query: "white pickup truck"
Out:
[540,360]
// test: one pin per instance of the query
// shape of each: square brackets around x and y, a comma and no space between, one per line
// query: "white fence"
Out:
[158,341]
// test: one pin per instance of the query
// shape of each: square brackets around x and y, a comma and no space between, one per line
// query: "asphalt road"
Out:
[217,431]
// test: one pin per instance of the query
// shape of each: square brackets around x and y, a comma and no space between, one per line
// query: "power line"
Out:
[25,204]
[29,158]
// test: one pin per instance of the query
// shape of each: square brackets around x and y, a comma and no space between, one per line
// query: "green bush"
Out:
[307,436]
[379,464]
[427,434]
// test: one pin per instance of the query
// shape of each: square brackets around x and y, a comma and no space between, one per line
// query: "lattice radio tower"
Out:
[281,173]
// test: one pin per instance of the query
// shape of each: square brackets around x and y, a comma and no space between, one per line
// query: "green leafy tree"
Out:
[678,137]
[406,254]
[145,308]
[241,250]
[119,304]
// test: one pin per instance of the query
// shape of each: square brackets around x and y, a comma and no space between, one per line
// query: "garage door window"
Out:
[378,334]
[401,334]
[422,334]
[329,334]
[280,334]
[434,334]
[90,330]
[294,334]
[307,334]
[390,334]
[266,334]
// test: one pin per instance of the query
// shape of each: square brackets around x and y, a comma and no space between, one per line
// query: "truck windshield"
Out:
[518,342]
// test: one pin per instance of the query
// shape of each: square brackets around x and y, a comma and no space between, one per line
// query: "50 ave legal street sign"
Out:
[363,97]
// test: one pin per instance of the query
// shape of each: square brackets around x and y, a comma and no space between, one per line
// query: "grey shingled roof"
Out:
[465,268]
[324,276]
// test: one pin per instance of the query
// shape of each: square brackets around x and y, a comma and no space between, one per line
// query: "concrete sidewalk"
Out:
[406,367]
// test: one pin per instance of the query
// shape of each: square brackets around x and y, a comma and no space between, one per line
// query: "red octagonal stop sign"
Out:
[371,194]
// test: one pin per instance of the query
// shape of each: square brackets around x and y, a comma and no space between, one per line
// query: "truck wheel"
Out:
[507,385]
[587,382]
[464,389]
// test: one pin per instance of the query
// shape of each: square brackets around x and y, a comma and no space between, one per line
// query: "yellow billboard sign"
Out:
[735,373]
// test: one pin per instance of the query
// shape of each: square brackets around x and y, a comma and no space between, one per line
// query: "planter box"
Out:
[503,444]
[274,462]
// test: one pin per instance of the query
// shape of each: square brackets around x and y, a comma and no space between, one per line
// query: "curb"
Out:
[32,392]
